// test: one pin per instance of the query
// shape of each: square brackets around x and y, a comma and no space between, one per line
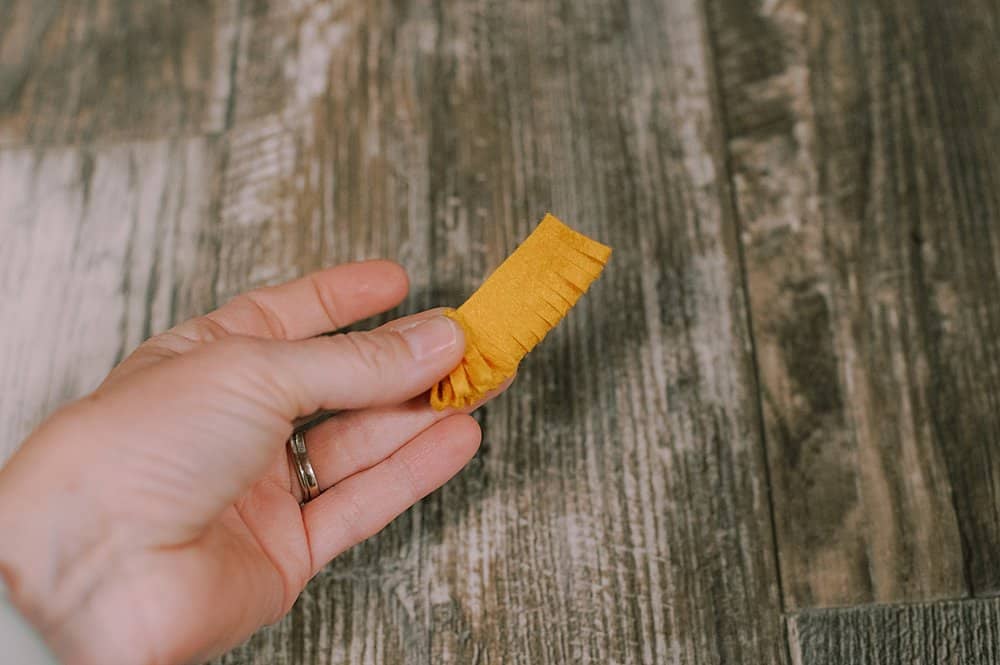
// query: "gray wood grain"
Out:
[102,246]
[945,633]
[107,183]
[825,171]
[618,510]
[107,187]
[81,72]
[863,142]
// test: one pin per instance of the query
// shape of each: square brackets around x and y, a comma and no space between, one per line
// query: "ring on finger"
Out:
[303,467]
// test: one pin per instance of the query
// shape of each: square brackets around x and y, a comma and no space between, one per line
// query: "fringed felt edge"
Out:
[575,261]
[477,374]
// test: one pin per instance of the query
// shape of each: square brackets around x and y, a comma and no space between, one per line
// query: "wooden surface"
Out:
[944,633]
[783,393]
[862,137]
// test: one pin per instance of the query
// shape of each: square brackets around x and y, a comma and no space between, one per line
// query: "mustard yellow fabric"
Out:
[516,306]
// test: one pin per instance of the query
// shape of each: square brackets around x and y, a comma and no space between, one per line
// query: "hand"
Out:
[157,520]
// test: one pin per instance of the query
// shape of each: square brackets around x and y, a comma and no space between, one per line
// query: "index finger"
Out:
[306,307]
[312,305]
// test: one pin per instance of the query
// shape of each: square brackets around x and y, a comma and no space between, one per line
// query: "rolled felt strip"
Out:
[517,306]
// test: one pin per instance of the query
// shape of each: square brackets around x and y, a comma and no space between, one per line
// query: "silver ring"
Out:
[303,467]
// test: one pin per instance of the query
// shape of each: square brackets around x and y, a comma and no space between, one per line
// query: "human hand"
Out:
[157,520]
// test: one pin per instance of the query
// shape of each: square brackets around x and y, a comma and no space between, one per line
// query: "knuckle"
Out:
[327,299]
[167,344]
[255,370]
[252,300]
[372,353]
[200,330]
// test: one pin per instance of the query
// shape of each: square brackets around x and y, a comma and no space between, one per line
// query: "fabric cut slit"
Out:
[516,307]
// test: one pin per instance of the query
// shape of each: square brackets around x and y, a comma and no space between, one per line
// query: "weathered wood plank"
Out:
[158,157]
[107,189]
[946,633]
[79,72]
[618,511]
[863,142]
[101,247]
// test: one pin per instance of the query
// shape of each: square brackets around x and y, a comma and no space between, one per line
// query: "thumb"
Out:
[358,370]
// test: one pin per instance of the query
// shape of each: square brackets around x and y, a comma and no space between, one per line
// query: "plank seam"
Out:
[744,280]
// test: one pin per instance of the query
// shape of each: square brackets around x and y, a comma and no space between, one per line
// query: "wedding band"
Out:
[303,467]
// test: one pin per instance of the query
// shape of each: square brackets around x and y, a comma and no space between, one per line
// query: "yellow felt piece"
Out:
[517,306]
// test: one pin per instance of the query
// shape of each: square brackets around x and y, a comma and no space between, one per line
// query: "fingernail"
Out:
[430,336]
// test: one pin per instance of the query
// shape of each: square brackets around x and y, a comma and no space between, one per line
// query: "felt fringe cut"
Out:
[517,306]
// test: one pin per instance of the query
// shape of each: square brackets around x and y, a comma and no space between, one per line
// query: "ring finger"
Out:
[351,442]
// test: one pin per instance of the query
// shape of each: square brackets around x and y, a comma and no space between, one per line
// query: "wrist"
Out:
[53,553]
[21,642]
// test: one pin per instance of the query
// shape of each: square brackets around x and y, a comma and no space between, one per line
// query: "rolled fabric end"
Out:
[513,310]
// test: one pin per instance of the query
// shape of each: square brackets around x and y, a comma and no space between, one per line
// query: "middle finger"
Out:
[353,441]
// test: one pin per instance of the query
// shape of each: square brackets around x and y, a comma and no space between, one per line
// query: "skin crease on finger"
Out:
[170,520]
